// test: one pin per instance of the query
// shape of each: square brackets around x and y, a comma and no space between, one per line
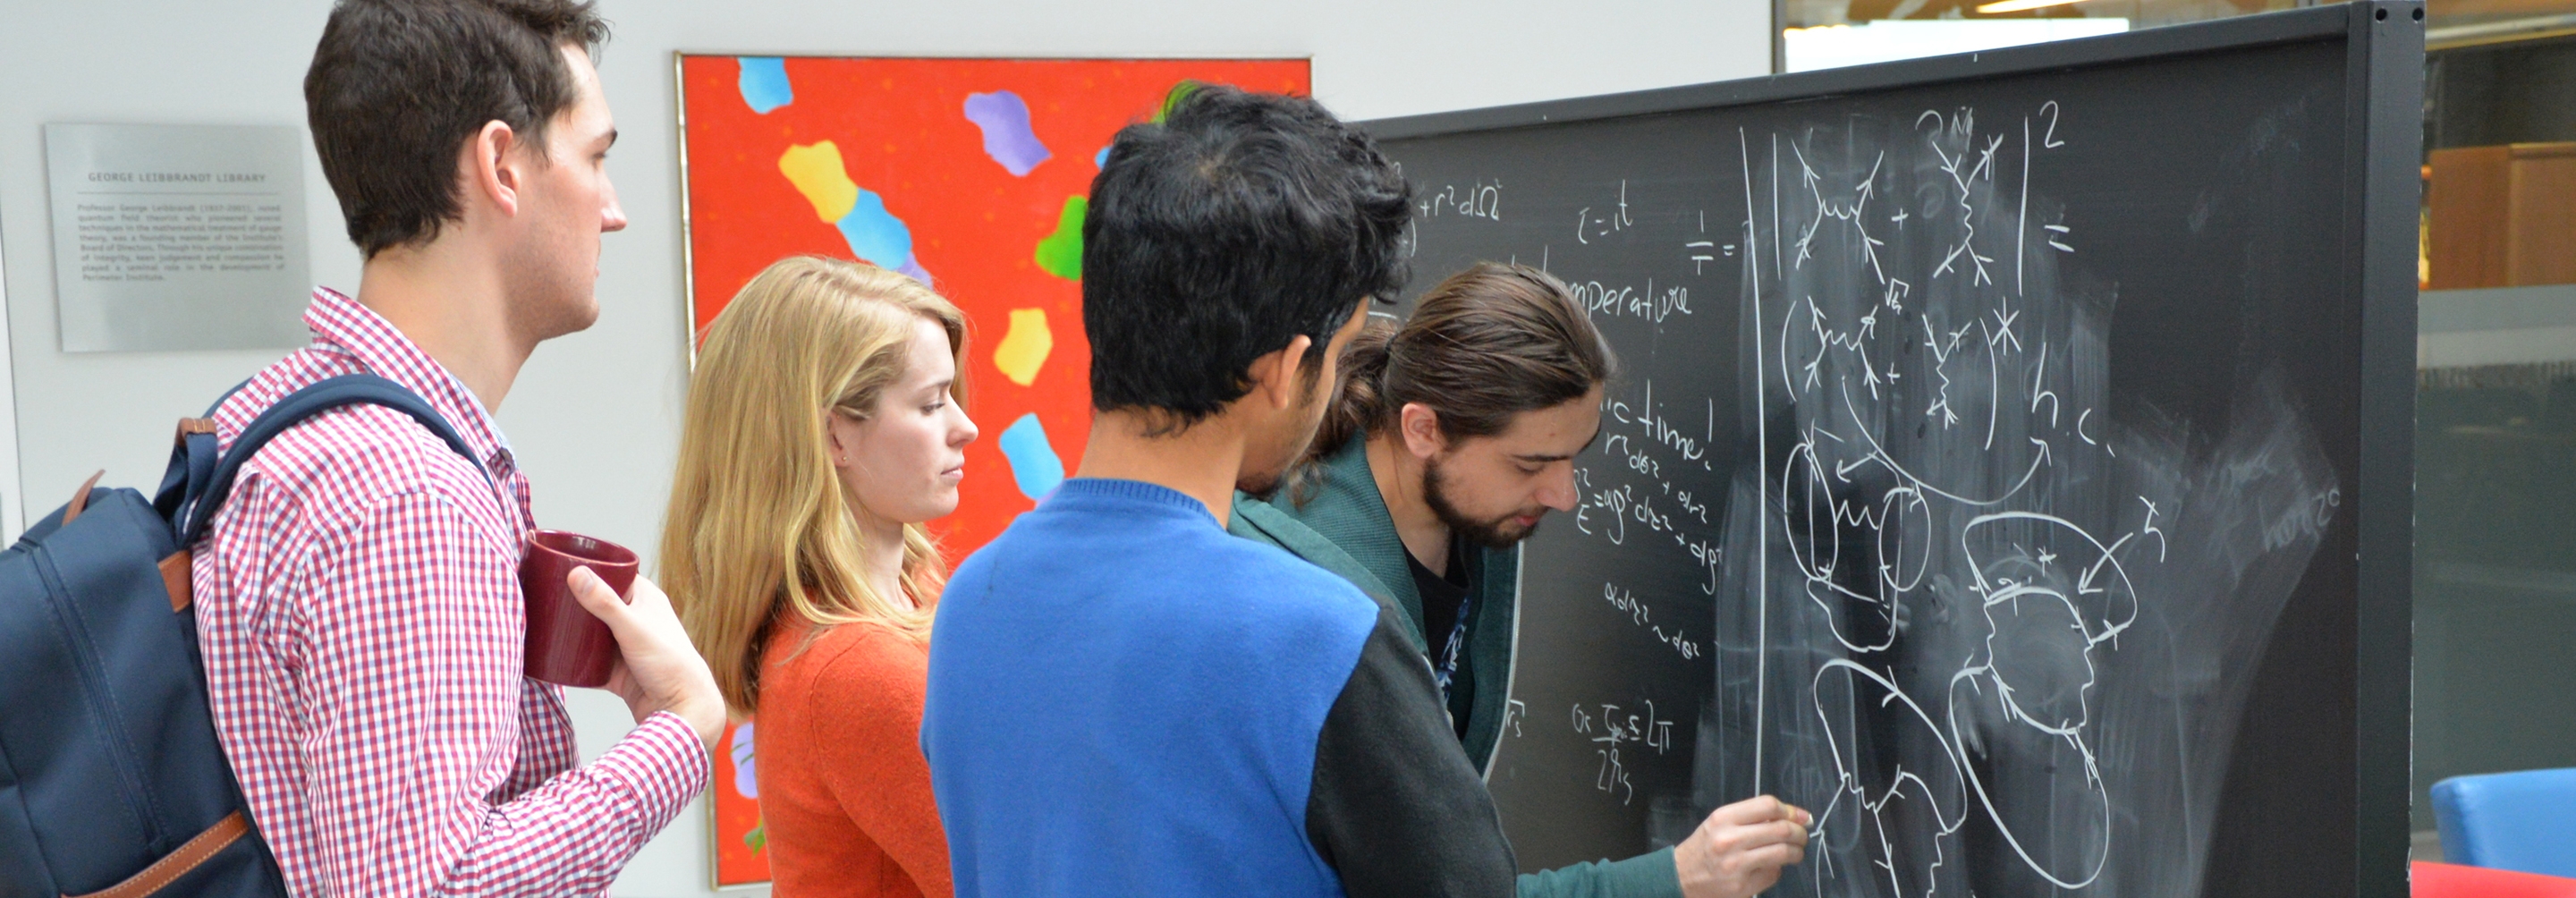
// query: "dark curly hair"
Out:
[1218,234]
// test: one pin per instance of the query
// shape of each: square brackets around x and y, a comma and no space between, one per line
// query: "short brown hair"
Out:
[1489,343]
[398,85]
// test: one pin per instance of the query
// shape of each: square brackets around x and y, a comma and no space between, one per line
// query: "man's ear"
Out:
[1274,376]
[1421,428]
[493,168]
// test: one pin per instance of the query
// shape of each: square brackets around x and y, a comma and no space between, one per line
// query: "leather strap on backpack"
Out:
[177,863]
[176,571]
[80,500]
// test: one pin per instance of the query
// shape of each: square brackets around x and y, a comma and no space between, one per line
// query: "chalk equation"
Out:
[1481,199]
[1642,616]
[1610,727]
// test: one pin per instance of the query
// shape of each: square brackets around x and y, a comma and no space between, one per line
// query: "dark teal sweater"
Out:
[1343,526]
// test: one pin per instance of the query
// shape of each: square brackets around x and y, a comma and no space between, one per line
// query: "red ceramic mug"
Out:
[567,644]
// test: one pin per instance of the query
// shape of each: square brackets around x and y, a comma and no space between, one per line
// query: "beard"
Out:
[1259,484]
[1262,483]
[1497,532]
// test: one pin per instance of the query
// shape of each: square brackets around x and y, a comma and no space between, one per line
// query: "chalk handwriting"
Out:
[1477,200]
[1946,524]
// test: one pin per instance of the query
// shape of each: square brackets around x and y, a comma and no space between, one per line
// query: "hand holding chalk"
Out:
[1739,850]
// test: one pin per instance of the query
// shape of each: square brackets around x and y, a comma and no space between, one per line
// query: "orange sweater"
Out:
[844,790]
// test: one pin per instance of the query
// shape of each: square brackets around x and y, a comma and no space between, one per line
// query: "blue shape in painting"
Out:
[880,239]
[764,83]
[1007,136]
[1101,160]
[1033,462]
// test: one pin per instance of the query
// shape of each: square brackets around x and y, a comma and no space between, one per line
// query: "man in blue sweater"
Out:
[1123,699]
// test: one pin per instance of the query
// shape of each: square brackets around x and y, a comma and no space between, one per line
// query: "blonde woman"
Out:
[823,427]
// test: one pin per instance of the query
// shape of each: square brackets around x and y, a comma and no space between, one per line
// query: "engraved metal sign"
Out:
[178,237]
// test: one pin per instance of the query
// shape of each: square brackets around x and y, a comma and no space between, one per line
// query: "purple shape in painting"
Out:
[1007,138]
[746,780]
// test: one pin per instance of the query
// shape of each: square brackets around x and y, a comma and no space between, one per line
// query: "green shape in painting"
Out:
[1060,254]
[1180,91]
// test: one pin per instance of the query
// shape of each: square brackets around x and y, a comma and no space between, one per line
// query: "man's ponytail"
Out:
[1360,402]
[1483,346]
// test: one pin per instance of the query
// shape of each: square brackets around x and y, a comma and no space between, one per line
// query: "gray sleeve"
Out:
[1395,806]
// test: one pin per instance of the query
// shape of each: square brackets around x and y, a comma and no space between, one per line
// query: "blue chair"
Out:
[2510,821]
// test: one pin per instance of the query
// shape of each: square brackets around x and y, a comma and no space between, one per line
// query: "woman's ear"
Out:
[832,438]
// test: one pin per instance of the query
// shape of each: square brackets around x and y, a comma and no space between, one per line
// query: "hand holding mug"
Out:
[657,668]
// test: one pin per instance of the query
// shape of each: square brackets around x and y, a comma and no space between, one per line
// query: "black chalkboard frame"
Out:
[2384,47]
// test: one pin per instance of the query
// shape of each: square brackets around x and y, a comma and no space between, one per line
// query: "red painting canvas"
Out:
[971,175]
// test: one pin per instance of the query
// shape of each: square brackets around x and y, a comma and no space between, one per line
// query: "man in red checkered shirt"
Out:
[358,598]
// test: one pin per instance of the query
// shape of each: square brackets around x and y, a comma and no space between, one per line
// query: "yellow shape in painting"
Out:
[817,173]
[1025,348]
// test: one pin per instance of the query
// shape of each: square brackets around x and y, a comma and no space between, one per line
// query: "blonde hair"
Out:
[757,519]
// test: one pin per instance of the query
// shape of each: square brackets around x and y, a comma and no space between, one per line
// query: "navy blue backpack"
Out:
[111,781]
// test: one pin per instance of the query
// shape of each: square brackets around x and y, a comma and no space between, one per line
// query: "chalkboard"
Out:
[2010,461]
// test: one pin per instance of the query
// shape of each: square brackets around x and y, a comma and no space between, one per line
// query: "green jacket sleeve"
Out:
[1644,876]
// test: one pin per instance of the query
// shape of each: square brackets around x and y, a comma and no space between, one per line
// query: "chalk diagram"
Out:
[1980,634]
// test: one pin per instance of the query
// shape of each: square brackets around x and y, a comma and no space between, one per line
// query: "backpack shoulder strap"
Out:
[192,460]
[348,389]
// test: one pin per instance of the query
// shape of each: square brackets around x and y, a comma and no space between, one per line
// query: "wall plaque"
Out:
[177,237]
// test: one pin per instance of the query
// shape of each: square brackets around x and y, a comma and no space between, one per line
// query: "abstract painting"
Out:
[970,175]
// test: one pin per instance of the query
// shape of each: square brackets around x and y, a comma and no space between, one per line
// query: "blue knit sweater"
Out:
[1124,700]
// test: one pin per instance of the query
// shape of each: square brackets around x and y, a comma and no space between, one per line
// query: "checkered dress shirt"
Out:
[359,607]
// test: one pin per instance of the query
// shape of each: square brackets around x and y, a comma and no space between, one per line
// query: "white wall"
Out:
[594,416]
